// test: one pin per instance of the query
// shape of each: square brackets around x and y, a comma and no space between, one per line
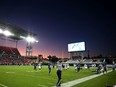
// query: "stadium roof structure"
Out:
[18,32]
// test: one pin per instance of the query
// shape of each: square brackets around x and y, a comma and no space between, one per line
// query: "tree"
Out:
[40,58]
[53,59]
[49,57]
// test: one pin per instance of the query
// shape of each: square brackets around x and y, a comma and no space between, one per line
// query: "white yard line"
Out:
[10,72]
[3,85]
[39,85]
[34,71]
[75,82]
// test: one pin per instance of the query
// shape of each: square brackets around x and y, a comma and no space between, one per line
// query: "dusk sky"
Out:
[60,22]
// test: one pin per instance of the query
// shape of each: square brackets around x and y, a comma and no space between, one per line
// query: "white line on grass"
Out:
[75,82]
[34,71]
[3,85]
[39,85]
[31,71]
[10,72]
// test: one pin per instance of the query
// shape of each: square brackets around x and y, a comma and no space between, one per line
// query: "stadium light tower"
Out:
[29,47]
[16,33]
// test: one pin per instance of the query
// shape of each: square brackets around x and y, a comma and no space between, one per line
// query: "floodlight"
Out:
[36,41]
[1,31]
[7,33]
[22,37]
[30,39]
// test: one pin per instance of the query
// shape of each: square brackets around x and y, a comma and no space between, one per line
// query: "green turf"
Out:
[102,81]
[25,76]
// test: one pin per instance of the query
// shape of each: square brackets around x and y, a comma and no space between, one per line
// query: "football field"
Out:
[25,76]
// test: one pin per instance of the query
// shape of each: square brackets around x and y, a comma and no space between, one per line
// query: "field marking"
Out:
[39,85]
[31,71]
[75,82]
[10,72]
[3,85]
[34,71]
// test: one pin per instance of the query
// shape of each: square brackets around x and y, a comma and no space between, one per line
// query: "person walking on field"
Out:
[59,73]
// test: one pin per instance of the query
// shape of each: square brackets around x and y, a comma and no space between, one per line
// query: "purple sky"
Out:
[58,23]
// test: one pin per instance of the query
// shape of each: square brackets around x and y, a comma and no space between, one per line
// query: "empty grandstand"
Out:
[85,61]
[9,51]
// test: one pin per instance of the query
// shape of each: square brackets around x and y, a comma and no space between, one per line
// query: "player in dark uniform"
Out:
[104,68]
[49,68]
[113,67]
[78,67]
[35,65]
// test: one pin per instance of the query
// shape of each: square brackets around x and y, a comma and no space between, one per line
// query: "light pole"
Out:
[29,47]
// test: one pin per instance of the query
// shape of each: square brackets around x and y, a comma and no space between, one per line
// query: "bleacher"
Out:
[15,50]
[85,61]
[88,61]
[72,61]
[14,61]
[9,51]
[98,61]
[11,56]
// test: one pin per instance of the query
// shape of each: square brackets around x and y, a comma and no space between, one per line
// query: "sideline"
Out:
[3,85]
[75,82]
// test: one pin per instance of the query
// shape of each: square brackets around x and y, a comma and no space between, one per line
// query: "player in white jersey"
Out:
[40,66]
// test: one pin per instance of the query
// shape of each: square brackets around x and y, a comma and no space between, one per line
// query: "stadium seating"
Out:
[72,61]
[14,61]
[87,60]
[10,56]
[10,51]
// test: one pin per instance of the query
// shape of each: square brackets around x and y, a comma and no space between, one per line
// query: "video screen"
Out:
[79,46]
